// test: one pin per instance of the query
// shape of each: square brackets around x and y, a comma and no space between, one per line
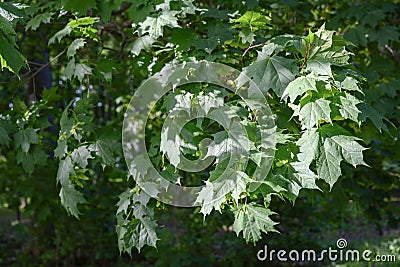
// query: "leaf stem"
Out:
[305,56]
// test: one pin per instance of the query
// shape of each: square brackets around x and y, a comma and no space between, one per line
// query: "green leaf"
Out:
[213,193]
[337,146]
[83,105]
[350,84]
[11,11]
[373,17]
[7,30]
[328,163]
[253,220]
[385,34]
[368,112]
[65,169]
[358,35]
[10,57]
[312,112]
[247,36]
[310,37]
[70,198]
[79,22]
[25,138]
[271,72]
[350,150]
[319,66]
[35,22]
[183,37]
[154,26]
[141,43]
[61,149]
[74,46]
[211,197]
[299,86]
[124,201]
[336,55]
[329,47]
[106,67]
[348,107]
[252,20]
[322,41]
[146,234]
[81,70]
[80,156]
[106,147]
[66,123]
[308,145]
[60,34]
[50,95]
[4,138]
[70,69]
[106,7]
[301,177]
[35,156]
[80,7]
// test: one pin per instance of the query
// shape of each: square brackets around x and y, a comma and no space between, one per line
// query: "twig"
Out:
[306,55]
[247,50]
[122,9]
[390,50]
[45,65]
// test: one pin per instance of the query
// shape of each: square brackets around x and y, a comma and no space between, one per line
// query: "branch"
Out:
[44,65]
[308,46]
[247,50]
[122,9]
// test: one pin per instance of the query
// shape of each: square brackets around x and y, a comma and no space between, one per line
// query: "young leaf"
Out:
[252,20]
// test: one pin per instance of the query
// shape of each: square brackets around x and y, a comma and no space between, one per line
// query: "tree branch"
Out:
[247,50]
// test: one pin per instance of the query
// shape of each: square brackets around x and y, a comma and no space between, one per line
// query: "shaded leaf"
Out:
[70,198]
[24,138]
